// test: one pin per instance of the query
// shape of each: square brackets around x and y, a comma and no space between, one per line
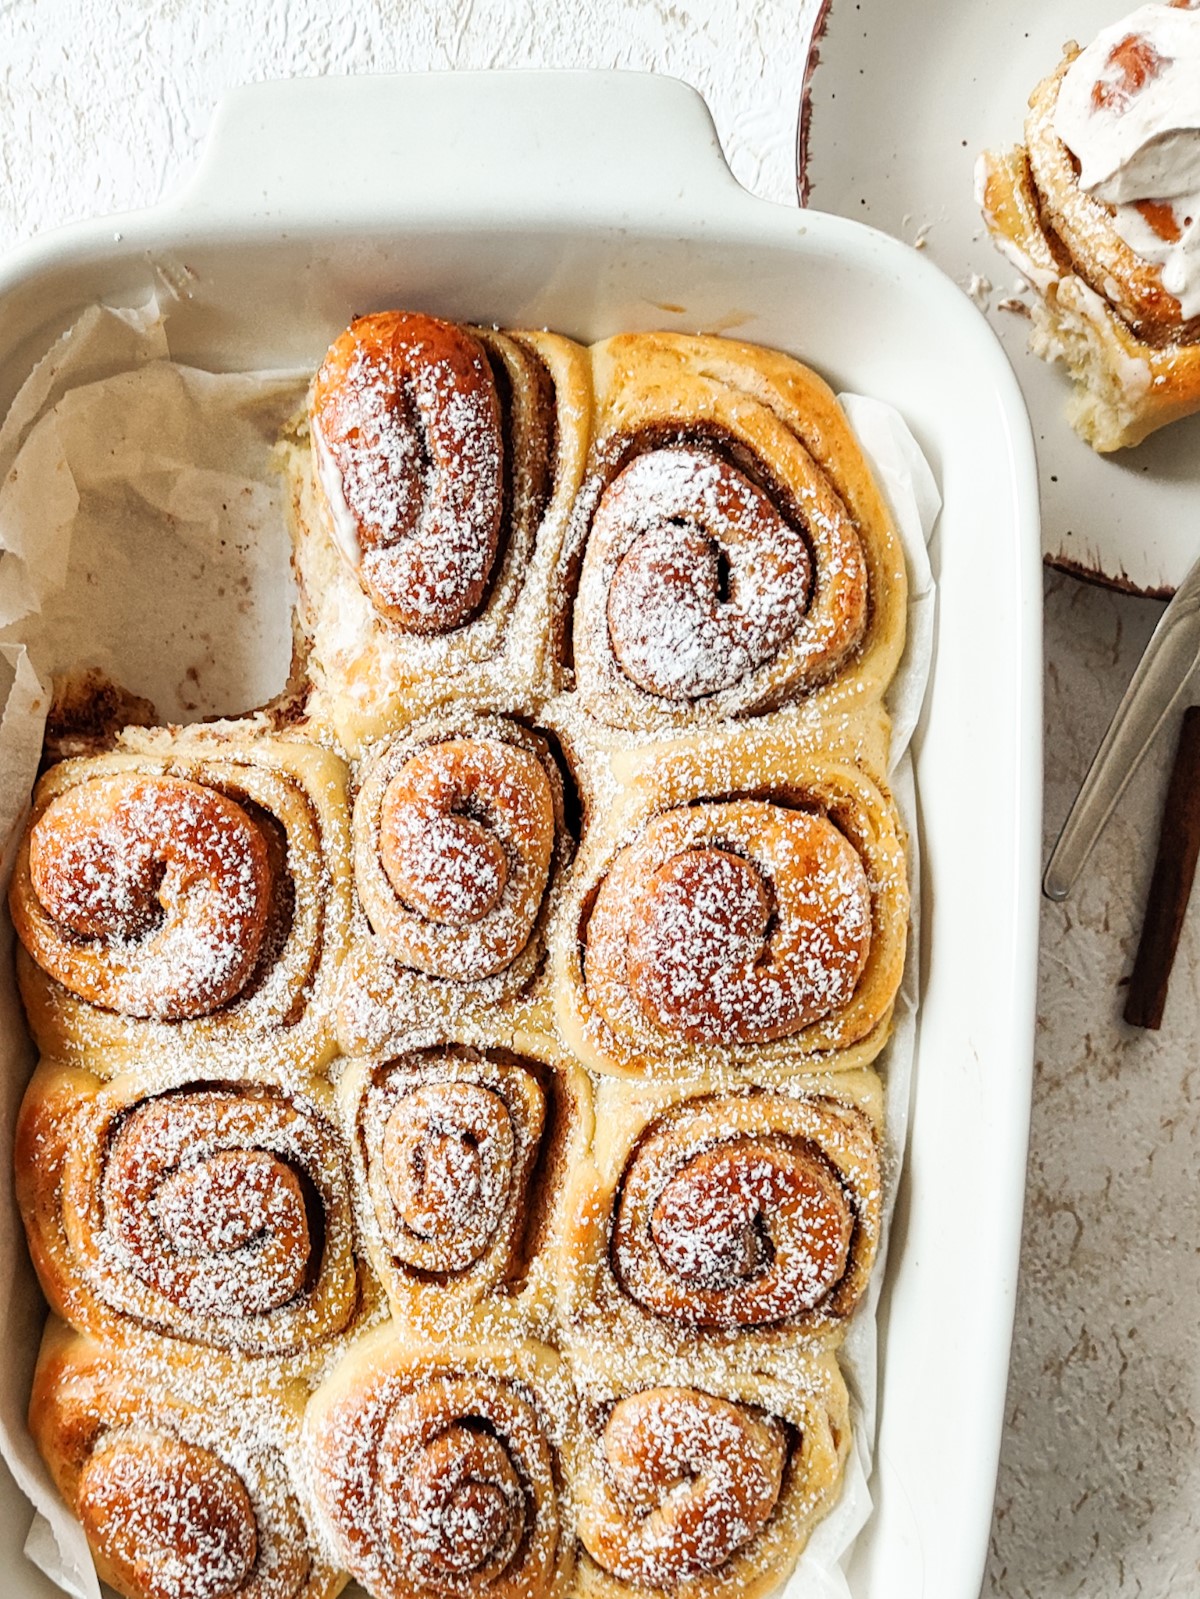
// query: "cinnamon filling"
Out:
[1135,62]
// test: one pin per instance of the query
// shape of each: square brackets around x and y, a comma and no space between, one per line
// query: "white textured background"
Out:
[103,104]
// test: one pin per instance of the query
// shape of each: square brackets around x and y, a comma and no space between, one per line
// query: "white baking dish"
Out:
[594,202]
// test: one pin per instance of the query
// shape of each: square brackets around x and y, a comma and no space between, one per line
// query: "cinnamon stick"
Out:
[1171,885]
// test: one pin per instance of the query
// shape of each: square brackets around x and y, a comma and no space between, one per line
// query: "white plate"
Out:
[593,202]
[901,98]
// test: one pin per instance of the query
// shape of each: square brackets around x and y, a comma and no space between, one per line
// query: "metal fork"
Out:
[1154,690]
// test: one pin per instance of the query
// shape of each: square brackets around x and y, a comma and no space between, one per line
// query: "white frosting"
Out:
[345,523]
[1130,114]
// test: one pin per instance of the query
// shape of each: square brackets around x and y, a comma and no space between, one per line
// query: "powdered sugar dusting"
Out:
[712,579]
[456,840]
[725,922]
[155,894]
[410,430]
[448,1142]
[691,1478]
[448,1153]
[449,867]
[224,1229]
[218,1216]
[185,1493]
[443,1479]
[175,1518]
[758,1229]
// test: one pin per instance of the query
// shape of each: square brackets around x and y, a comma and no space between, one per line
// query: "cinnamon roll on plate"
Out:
[178,1500]
[735,553]
[694,1483]
[745,911]
[746,1219]
[186,897]
[462,1156]
[431,481]
[460,842]
[1100,211]
[204,1219]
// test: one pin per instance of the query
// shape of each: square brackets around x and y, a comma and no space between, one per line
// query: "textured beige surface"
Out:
[1099,1492]
[103,106]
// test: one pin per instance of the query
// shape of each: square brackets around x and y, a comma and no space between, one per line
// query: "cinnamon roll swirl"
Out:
[745,1218]
[698,1485]
[735,551]
[431,484]
[212,1214]
[186,895]
[435,1472]
[461,1157]
[177,1502]
[749,927]
[459,843]
[409,446]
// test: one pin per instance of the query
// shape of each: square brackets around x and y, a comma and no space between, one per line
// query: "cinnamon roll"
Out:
[432,479]
[435,1471]
[186,896]
[177,1501]
[745,927]
[1099,209]
[735,551]
[697,1485]
[459,843]
[747,1218]
[211,1214]
[461,1156]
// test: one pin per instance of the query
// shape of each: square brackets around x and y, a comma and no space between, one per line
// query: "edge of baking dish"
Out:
[592,201]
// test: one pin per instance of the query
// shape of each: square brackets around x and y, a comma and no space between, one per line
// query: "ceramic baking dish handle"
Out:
[563,143]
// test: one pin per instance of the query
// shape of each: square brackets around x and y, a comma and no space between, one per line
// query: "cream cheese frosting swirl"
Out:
[1129,111]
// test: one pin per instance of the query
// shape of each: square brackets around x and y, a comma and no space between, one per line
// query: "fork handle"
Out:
[1153,691]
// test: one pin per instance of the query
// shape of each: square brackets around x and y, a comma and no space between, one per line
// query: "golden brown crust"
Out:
[695,1485]
[407,431]
[746,1221]
[730,922]
[237,1204]
[735,552]
[488,792]
[436,1471]
[462,1157]
[289,799]
[147,896]
[712,800]
[176,1502]
[367,669]
[211,1215]
[456,837]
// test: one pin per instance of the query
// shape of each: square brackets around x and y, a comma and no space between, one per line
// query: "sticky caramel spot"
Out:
[1137,63]
[1160,214]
